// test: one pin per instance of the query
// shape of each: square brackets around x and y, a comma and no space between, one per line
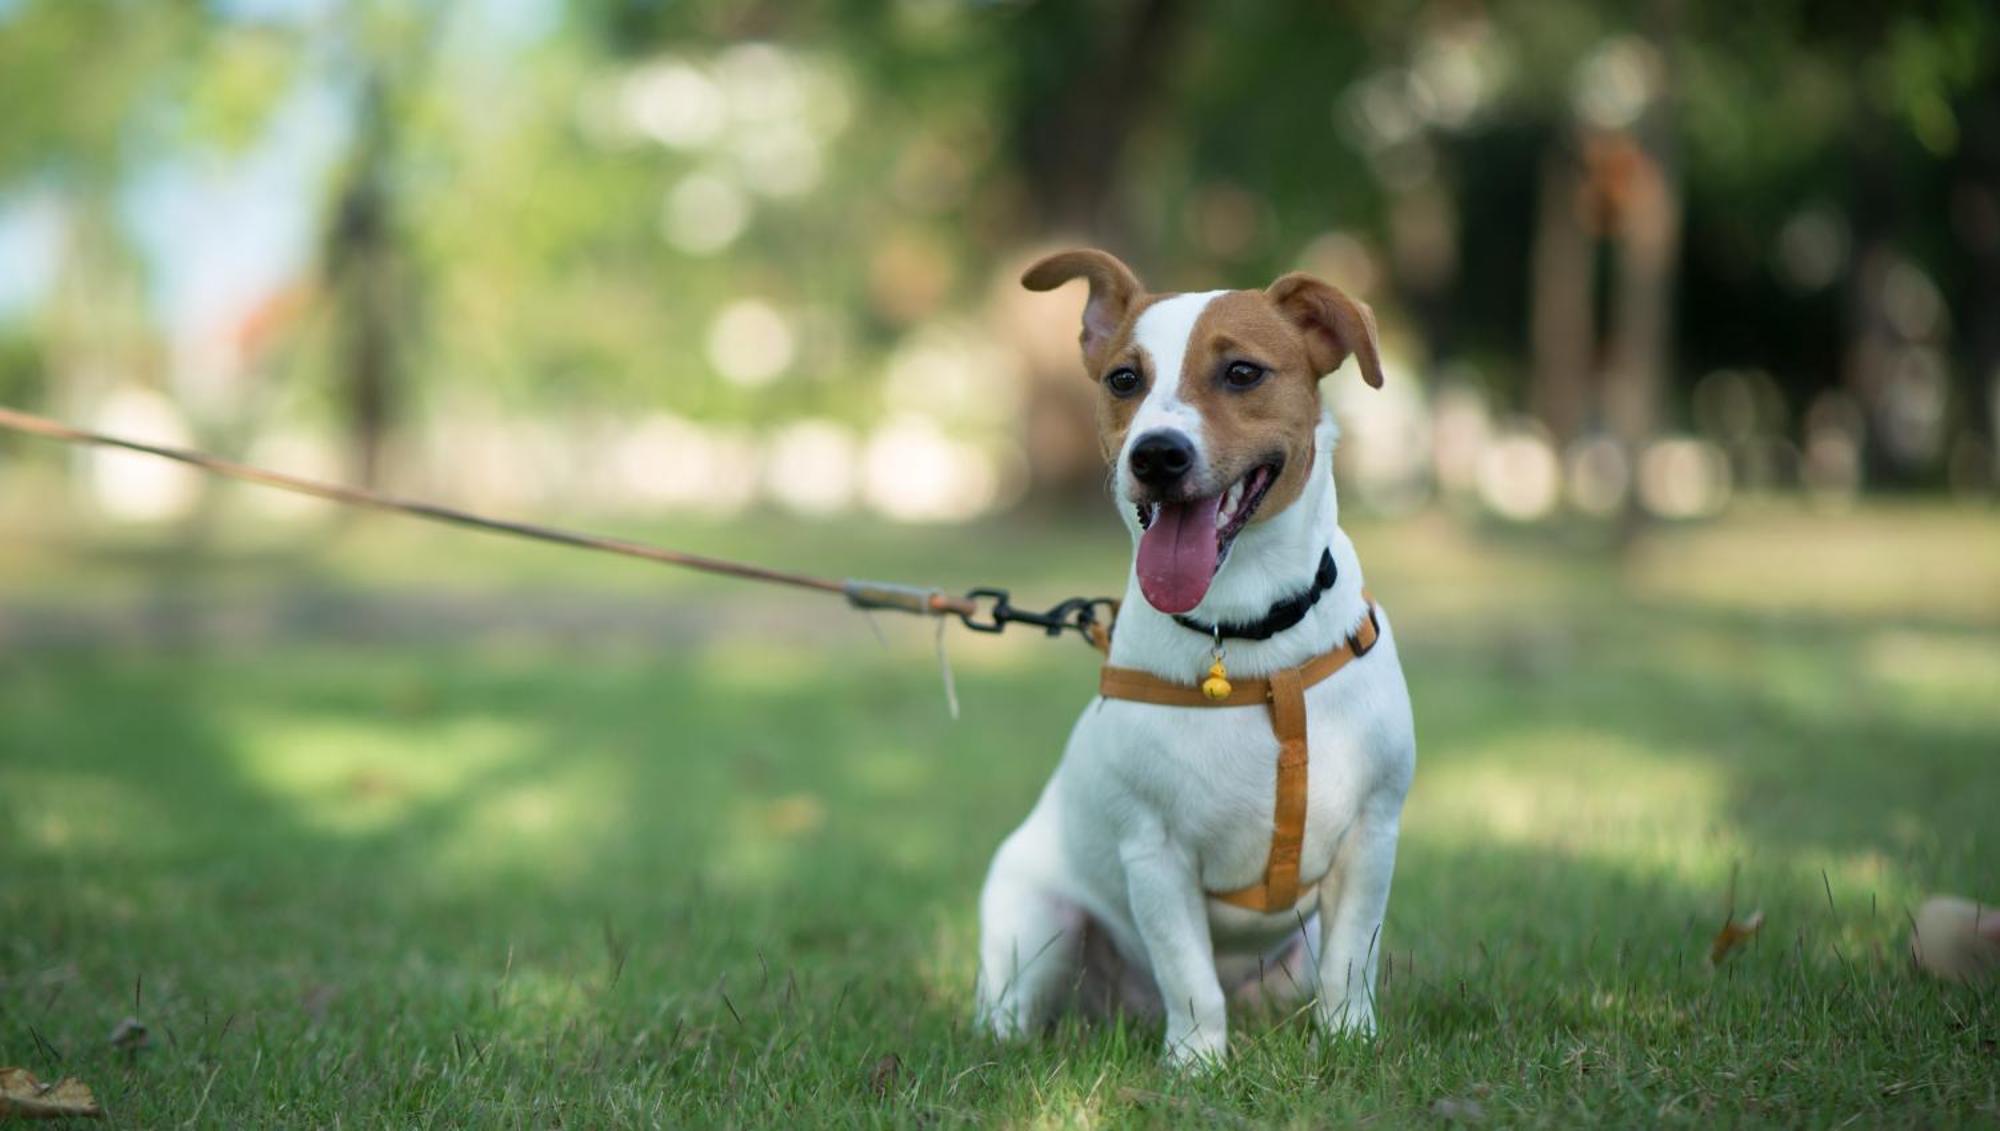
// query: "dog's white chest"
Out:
[1206,778]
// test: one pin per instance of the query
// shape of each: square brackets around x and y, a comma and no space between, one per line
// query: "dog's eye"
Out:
[1242,374]
[1122,382]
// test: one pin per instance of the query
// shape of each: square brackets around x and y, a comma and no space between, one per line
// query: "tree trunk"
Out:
[1074,143]
[1639,348]
[1975,221]
[1640,339]
[1562,323]
[363,273]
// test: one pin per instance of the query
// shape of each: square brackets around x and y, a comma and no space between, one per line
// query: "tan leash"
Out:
[982,610]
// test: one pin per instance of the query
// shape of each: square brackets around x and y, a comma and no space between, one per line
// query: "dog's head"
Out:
[1208,404]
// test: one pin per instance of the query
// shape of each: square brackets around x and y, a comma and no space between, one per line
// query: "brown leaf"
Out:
[370,784]
[1733,934]
[794,815]
[24,1097]
[887,1073]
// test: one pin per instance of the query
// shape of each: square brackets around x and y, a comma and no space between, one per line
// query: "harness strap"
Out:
[1288,813]
[1285,694]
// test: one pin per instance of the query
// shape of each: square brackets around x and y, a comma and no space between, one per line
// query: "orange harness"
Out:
[1285,693]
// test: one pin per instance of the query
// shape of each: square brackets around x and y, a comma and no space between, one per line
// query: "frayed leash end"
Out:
[944,671]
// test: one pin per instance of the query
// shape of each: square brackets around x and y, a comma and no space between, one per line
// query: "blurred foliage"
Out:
[885,163]
[81,77]
[21,376]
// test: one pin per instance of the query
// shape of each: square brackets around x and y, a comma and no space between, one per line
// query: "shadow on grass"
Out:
[483,884]
[1812,756]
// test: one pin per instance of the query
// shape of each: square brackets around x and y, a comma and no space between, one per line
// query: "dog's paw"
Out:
[1195,1054]
[1001,1022]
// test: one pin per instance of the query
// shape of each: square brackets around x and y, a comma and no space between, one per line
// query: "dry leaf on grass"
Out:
[24,1097]
[886,1076]
[1733,934]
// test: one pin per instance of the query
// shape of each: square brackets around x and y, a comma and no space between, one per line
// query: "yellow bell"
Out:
[1216,686]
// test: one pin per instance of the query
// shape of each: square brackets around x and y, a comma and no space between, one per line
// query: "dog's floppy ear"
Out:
[1333,324]
[1113,289]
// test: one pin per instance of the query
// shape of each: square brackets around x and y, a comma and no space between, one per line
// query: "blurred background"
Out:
[1681,493]
[632,256]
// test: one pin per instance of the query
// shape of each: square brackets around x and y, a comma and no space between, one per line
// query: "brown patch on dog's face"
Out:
[1249,366]
[1248,373]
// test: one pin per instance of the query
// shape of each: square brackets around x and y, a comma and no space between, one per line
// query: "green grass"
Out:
[600,846]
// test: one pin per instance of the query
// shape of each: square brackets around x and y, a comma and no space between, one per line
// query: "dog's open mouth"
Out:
[1185,543]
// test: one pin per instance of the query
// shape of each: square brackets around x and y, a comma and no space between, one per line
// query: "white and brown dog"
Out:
[1126,885]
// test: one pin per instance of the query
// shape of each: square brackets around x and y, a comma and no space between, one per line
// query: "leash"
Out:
[985,609]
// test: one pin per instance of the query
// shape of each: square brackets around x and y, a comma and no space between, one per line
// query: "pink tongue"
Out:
[1177,555]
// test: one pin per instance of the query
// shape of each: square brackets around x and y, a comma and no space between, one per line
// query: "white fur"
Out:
[1152,806]
[1162,334]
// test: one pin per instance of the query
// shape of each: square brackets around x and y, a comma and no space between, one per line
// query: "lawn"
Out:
[411,827]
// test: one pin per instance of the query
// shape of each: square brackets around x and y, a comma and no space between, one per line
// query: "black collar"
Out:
[1280,616]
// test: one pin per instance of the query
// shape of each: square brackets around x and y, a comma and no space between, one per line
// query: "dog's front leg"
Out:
[1030,939]
[1167,908]
[1351,906]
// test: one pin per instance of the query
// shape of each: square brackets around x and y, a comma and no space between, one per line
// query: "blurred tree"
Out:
[368,282]
[1589,205]
[80,78]
[111,88]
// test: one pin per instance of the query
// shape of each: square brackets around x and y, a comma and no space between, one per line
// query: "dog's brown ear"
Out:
[1113,289]
[1334,325]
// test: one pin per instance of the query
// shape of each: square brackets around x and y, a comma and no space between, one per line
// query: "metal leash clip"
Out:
[1078,613]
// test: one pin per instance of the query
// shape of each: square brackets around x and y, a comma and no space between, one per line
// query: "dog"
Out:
[1153,875]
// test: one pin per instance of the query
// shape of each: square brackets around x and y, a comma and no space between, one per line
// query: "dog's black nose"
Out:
[1161,459]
